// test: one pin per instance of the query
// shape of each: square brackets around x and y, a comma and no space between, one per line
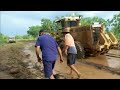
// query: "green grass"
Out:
[3,41]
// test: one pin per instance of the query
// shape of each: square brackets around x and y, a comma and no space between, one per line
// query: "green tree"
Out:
[18,37]
[86,21]
[89,20]
[47,24]
[3,38]
[34,31]
[27,37]
[115,24]
[56,26]
[100,20]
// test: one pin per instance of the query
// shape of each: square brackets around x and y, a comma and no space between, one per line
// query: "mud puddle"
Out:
[112,62]
[31,61]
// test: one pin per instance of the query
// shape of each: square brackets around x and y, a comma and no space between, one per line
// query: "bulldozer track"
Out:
[113,55]
[100,66]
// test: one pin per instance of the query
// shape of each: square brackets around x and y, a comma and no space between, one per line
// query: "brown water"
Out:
[112,62]
[115,52]
[87,71]
[90,71]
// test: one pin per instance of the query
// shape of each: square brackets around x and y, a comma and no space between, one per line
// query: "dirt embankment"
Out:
[11,62]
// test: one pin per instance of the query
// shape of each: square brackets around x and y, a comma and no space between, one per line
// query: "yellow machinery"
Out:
[113,39]
[89,39]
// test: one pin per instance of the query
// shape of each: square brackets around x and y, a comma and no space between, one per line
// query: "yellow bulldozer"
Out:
[90,40]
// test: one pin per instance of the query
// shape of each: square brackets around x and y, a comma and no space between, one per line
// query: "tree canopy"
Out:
[115,24]
[52,26]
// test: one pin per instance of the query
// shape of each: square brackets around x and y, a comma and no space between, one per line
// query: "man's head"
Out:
[41,32]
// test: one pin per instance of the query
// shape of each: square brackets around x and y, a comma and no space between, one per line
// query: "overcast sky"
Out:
[18,22]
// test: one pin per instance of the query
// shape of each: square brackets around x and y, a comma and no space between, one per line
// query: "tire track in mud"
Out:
[100,66]
[113,55]
[30,59]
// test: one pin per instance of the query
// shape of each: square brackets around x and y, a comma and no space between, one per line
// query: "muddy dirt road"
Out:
[18,61]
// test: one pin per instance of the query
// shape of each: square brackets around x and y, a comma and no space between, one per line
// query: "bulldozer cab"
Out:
[97,29]
[71,21]
[97,26]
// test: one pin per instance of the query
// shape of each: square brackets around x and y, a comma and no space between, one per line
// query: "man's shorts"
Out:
[48,67]
[71,58]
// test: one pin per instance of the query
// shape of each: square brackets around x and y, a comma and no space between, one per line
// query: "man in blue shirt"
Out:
[50,50]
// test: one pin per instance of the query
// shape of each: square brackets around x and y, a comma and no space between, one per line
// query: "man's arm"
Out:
[60,53]
[65,49]
[37,50]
